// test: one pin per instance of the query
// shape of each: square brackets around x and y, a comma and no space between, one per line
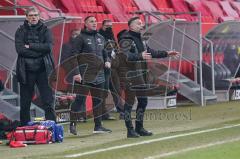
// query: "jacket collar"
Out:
[36,26]
[92,32]
[135,34]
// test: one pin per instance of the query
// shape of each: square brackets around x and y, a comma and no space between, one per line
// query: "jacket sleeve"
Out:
[105,53]
[77,45]
[45,47]
[20,48]
[76,50]
[157,53]
[105,56]
[128,47]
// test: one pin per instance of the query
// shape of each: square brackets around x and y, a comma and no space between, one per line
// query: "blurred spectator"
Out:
[111,78]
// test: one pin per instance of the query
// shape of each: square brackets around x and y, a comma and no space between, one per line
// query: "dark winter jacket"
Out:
[67,49]
[38,56]
[132,67]
[89,49]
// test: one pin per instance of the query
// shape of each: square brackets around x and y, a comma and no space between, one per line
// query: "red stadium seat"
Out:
[44,13]
[179,6]
[93,2]
[217,11]
[99,17]
[145,5]
[110,16]
[161,3]
[236,6]
[196,5]
[70,6]
[115,8]
[227,8]
[100,9]
[7,3]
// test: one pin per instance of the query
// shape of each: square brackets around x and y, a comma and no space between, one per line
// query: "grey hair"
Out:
[31,9]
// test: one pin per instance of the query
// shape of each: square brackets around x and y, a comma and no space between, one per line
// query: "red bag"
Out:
[36,134]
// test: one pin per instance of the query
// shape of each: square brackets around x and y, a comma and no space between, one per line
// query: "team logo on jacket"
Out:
[99,41]
[89,41]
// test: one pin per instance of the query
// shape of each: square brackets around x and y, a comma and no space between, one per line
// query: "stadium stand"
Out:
[180,6]
[236,6]
[161,4]
[217,12]
[228,10]
[196,6]
[115,8]
[7,3]
[121,10]
[45,14]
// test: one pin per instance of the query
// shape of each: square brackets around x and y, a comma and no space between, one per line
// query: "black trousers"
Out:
[96,92]
[141,107]
[39,79]
[112,83]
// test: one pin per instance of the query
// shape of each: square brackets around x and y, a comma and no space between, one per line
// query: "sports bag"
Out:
[32,135]
[57,130]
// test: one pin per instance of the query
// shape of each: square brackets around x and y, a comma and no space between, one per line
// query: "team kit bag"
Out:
[56,129]
[36,134]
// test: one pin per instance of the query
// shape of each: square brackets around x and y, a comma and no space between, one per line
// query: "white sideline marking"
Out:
[192,148]
[149,141]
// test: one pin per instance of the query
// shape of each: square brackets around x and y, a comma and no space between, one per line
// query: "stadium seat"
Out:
[227,8]
[236,6]
[70,6]
[161,3]
[7,3]
[197,6]
[217,12]
[180,6]
[115,8]
[110,16]
[145,5]
[45,14]
[99,17]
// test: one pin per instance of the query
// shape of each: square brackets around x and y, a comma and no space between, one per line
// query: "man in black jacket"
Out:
[67,47]
[78,106]
[92,59]
[33,42]
[135,72]
[111,78]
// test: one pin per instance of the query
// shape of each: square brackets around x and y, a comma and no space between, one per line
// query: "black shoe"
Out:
[101,130]
[73,129]
[132,134]
[143,132]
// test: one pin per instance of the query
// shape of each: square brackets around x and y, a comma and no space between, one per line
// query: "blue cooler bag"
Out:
[57,130]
